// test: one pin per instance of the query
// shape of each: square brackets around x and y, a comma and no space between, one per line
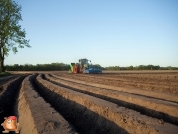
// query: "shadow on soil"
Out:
[83,119]
[8,100]
[142,110]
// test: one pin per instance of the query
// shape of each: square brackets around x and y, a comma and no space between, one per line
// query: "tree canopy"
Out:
[12,36]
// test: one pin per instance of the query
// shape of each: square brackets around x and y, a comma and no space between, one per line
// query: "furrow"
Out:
[93,115]
[8,98]
[158,95]
[151,107]
[42,117]
[154,85]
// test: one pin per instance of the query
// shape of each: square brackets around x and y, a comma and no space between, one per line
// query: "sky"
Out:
[107,32]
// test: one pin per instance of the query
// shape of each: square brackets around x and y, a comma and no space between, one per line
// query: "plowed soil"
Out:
[114,103]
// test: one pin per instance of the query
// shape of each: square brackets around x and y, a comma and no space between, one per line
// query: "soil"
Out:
[6,79]
[36,116]
[125,102]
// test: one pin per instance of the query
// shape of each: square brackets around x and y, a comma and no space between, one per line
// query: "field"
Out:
[123,102]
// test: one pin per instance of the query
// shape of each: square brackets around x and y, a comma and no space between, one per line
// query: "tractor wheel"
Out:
[75,69]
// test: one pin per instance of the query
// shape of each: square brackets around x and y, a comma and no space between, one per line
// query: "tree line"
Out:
[38,67]
[65,67]
[141,67]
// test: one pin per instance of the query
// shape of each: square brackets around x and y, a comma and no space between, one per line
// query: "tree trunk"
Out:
[2,69]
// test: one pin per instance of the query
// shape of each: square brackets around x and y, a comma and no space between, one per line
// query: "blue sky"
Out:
[107,32]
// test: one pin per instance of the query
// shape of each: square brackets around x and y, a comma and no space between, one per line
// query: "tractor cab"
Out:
[84,63]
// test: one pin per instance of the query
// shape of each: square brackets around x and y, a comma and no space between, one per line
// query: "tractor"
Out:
[84,67]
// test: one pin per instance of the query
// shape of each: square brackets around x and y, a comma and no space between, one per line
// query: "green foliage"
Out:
[66,67]
[2,74]
[38,67]
[12,36]
[141,67]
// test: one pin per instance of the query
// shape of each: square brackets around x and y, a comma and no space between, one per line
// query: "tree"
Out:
[11,34]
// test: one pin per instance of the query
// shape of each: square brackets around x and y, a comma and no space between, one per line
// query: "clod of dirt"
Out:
[160,121]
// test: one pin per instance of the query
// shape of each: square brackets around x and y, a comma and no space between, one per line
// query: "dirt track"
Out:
[105,103]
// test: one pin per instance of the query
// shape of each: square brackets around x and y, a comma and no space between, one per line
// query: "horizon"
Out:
[109,33]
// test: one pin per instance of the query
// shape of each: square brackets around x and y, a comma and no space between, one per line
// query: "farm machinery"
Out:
[84,67]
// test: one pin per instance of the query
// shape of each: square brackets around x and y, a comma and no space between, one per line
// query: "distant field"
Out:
[120,71]
[141,71]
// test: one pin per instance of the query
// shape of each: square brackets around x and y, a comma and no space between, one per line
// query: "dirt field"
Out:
[127,102]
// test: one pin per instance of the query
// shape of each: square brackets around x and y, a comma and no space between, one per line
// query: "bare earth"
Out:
[121,102]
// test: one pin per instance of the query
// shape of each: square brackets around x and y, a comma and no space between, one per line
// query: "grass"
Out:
[2,74]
